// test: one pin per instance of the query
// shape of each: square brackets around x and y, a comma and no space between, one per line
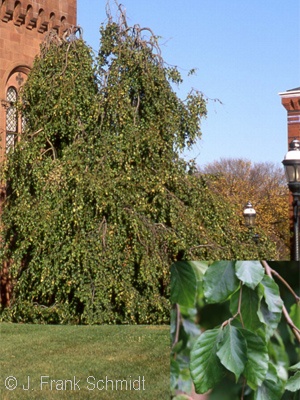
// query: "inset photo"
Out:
[235,329]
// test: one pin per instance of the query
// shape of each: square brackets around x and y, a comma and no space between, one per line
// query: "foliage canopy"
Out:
[264,184]
[99,202]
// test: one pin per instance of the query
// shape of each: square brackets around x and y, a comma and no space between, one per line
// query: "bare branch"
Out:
[53,148]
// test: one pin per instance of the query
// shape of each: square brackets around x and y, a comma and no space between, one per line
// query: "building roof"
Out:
[290,93]
[292,90]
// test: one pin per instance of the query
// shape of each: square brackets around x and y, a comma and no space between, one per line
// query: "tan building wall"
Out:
[23,26]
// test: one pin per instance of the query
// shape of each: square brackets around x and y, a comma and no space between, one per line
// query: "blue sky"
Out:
[245,52]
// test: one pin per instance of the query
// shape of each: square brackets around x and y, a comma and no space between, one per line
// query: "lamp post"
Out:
[291,164]
[249,214]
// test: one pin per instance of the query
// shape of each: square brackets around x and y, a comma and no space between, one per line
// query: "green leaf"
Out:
[225,390]
[270,291]
[295,314]
[220,281]
[190,328]
[279,355]
[272,387]
[293,383]
[295,367]
[175,371]
[257,359]
[233,350]
[268,318]
[249,272]
[183,284]
[178,347]
[205,366]
[249,306]
[199,268]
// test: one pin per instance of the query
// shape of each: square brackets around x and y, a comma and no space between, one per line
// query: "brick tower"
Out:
[23,25]
[291,102]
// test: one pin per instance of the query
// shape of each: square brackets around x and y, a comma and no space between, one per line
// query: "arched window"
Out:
[11,118]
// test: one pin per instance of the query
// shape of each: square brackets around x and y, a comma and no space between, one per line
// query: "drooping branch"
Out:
[178,322]
[275,273]
[288,319]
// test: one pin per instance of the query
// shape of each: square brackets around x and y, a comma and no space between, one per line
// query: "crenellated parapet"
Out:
[24,25]
[43,15]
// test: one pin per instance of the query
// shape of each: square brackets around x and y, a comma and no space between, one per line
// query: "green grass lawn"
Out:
[84,362]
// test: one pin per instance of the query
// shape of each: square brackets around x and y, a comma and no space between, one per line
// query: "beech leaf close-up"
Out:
[245,341]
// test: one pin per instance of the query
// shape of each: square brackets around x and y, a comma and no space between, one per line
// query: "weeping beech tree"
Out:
[99,202]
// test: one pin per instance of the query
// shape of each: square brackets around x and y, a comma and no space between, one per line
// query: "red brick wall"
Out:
[291,102]
[23,25]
